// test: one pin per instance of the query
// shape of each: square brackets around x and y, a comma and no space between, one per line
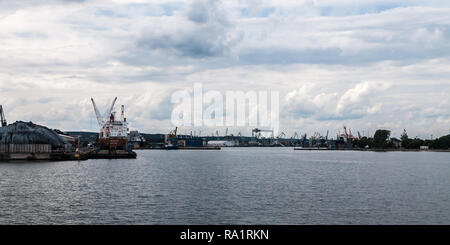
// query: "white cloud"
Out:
[316,101]
[375,108]
[359,95]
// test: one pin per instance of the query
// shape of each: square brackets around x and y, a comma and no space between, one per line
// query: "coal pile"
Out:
[30,133]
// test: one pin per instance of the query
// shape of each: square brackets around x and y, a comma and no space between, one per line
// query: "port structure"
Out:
[2,117]
[171,139]
[256,132]
[194,139]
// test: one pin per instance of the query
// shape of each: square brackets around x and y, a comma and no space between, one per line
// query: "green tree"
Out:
[415,143]
[405,139]
[381,138]
[364,141]
[442,142]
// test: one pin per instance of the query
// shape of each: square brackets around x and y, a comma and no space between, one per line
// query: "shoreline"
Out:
[372,150]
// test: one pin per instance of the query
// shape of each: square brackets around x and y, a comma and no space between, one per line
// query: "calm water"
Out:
[231,186]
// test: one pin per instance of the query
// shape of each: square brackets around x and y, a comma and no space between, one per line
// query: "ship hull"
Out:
[113,143]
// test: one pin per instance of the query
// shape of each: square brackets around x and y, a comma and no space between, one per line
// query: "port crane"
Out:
[348,135]
[256,132]
[345,132]
[102,120]
[351,135]
[281,135]
[2,117]
[173,133]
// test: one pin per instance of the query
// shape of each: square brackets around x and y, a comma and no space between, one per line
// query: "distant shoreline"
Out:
[373,150]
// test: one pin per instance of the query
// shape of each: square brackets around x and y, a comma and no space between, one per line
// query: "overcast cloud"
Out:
[364,64]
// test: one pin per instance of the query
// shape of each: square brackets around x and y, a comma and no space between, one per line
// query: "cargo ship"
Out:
[113,136]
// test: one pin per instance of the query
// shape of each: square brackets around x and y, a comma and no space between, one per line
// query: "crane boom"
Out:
[281,135]
[173,133]
[97,114]
[108,112]
[345,132]
[2,117]
[103,119]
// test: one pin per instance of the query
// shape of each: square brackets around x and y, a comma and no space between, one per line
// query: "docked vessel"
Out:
[113,134]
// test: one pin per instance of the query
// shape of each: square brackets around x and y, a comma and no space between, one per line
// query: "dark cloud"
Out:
[206,32]
[404,52]
[290,56]
[201,12]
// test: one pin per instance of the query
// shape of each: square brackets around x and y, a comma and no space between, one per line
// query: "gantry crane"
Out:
[256,132]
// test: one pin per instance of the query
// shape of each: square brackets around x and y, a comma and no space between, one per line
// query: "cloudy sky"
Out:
[376,64]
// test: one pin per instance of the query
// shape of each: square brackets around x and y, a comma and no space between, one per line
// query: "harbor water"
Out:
[231,186]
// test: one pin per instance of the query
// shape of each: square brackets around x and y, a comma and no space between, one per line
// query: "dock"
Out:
[333,149]
[107,154]
[183,148]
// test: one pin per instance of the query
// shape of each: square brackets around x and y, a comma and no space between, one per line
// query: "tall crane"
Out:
[345,132]
[2,117]
[173,133]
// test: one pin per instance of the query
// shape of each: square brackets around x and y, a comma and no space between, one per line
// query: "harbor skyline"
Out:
[372,65]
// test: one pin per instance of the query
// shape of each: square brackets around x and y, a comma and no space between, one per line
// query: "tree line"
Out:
[382,140]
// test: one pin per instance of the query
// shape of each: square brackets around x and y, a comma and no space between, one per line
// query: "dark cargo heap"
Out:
[30,133]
